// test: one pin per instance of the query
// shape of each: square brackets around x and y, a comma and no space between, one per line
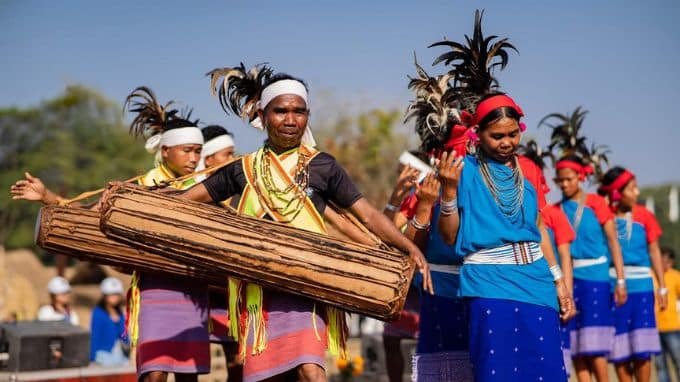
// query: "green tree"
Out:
[75,142]
[368,146]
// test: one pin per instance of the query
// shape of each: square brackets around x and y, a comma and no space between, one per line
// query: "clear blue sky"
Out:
[618,59]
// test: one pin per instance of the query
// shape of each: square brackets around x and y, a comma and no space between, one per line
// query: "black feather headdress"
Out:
[474,62]
[566,139]
[239,89]
[433,108]
[532,150]
[152,117]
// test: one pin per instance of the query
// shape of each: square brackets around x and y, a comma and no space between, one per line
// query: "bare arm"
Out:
[567,266]
[427,194]
[655,257]
[564,297]
[196,193]
[32,189]
[382,227]
[620,294]
[449,169]
[405,181]
[345,227]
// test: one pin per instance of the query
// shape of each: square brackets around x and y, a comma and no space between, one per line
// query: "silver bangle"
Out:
[448,207]
[663,291]
[556,272]
[620,283]
[419,226]
[391,207]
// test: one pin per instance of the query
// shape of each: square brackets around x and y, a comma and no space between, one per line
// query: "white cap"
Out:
[111,285]
[58,285]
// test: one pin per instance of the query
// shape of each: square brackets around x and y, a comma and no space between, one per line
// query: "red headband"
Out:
[492,103]
[614,189]
[581,170]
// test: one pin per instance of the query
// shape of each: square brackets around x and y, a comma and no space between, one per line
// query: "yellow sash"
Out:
[293,207]
[153,177]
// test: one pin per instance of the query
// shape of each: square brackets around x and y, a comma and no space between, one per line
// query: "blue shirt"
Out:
[483,225]
[104,332]
[590,242]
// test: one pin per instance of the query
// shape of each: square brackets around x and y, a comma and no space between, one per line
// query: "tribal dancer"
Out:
[636,338]
[593,222]
[289,181]
[442,351]
[168,317]
[490,207]
[561,236]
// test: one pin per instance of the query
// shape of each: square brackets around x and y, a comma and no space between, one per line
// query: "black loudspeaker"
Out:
[41,345]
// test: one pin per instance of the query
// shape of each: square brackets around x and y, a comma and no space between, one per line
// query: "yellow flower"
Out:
[358,361]
[341,363]
[358,370]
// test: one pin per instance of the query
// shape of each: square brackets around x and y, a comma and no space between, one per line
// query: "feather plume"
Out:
[567,139]
[532,150]
[473,63]
[239,89]
[151,116]
[433,107]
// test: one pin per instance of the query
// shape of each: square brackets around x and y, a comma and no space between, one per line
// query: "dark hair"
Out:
[283,76]
[668,251]
[177,123]
[609,177]
[497,114]
[102,303]
[213,131]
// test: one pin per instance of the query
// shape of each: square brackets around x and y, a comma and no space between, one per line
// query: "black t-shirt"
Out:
[327,181]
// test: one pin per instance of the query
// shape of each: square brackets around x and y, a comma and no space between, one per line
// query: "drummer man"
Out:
[289,181]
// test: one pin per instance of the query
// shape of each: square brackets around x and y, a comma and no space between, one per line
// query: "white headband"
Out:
[282,87]
[216,144]
[174,137]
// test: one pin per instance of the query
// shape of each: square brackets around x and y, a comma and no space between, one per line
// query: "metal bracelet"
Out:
[556,272]
[663,291]
[419,226]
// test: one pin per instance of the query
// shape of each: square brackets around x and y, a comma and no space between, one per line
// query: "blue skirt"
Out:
[515,341]
[442,351]
[565,337]
[593,326]
[636,335]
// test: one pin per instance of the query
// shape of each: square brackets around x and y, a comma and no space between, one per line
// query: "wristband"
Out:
[663,291]
[556,272]
[620,283]
[448,207]
[418,226]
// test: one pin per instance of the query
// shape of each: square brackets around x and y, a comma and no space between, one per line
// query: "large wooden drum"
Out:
[354,277]
[75,232]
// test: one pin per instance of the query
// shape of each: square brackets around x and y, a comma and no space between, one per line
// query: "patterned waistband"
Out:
[633,272]
[445,268]
[513,253]
[582,263]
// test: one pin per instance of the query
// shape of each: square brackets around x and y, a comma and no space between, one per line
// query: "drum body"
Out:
[75,232]
[357,278]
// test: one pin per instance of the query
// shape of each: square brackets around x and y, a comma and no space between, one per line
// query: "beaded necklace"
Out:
[507,188]
[298,186]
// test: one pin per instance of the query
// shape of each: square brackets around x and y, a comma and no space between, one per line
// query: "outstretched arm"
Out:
[33,189]
[383,227]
